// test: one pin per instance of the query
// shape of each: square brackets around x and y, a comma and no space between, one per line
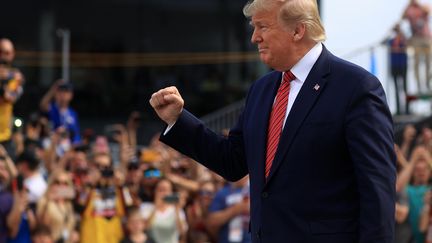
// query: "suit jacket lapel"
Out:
[312,87]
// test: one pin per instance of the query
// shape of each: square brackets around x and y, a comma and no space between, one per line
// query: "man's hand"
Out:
[168,104]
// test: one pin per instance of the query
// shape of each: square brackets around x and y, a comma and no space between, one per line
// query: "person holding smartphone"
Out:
[55,207]
[165,219]
[21,220]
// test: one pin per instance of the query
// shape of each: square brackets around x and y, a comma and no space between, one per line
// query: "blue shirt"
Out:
[6,201]
[67,119]
[225,198]
[398,53]
[23,235]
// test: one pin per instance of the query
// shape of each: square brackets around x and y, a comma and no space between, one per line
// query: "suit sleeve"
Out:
[369,135]
[223,155]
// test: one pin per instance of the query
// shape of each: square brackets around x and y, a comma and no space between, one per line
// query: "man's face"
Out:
[7,52]
[63,97]
[274,41]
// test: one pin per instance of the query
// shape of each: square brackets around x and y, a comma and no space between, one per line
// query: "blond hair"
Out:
[292,12]
[56,174]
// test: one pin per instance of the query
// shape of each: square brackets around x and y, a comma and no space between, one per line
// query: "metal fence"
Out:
[224,118]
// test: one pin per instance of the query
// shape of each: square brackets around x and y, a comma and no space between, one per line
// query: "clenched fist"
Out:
[168,104]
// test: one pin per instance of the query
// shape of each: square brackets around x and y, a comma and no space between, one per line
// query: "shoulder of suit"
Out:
[343,68]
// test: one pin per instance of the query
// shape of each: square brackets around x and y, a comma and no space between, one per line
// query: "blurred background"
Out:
[122,51]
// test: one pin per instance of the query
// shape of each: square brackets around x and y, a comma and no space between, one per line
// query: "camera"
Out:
[3,85]
[82,148]
[173,198]
[107,172]
[132,166]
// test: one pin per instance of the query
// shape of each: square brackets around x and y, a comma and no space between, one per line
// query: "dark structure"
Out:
[123,50]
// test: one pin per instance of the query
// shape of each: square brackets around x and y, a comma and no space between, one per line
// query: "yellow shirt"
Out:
[95,226]
[6,113]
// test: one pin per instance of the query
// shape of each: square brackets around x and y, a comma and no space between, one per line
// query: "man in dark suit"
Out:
[315,136]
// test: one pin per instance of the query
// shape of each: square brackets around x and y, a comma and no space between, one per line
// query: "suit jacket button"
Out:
[264,195]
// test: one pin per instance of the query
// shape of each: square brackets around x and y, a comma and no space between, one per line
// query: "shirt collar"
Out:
[302,69]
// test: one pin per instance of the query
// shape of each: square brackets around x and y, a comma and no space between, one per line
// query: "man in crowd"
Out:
[56,103]
[315,136]
[228,217]
[28,166]
[11,81]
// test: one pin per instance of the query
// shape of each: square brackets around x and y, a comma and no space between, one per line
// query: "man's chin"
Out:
[269,64]
[265,59]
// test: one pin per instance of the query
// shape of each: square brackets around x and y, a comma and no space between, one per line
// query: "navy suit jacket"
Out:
[333,176]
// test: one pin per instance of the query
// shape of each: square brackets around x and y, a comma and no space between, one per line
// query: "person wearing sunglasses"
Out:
[55,208]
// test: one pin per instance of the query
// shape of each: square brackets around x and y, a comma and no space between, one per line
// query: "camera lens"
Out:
[107,172]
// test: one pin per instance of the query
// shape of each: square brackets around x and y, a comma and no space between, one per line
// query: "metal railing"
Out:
[224,118]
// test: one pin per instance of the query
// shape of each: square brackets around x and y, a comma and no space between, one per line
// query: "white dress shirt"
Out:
[301,71]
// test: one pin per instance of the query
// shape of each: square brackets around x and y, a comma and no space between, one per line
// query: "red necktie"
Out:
[277,118]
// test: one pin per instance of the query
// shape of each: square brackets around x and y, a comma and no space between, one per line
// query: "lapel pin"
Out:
[316,87]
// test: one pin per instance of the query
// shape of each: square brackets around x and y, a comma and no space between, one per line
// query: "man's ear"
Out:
[299,31]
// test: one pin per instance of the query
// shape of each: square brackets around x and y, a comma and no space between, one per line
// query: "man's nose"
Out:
[256,38]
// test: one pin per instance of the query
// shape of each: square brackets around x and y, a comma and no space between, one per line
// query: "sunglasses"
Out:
[60,182]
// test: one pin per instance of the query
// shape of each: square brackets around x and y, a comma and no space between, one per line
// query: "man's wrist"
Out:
[169,128]
[170,124]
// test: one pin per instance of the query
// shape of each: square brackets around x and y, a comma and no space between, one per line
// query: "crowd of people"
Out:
[58,184]
[413,188]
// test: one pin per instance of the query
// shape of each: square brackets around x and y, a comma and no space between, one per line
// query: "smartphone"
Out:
[173,198]
[107,172]
[18,184]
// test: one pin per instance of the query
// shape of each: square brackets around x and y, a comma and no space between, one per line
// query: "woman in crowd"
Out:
[165,219]
[55,208]
[414,179]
